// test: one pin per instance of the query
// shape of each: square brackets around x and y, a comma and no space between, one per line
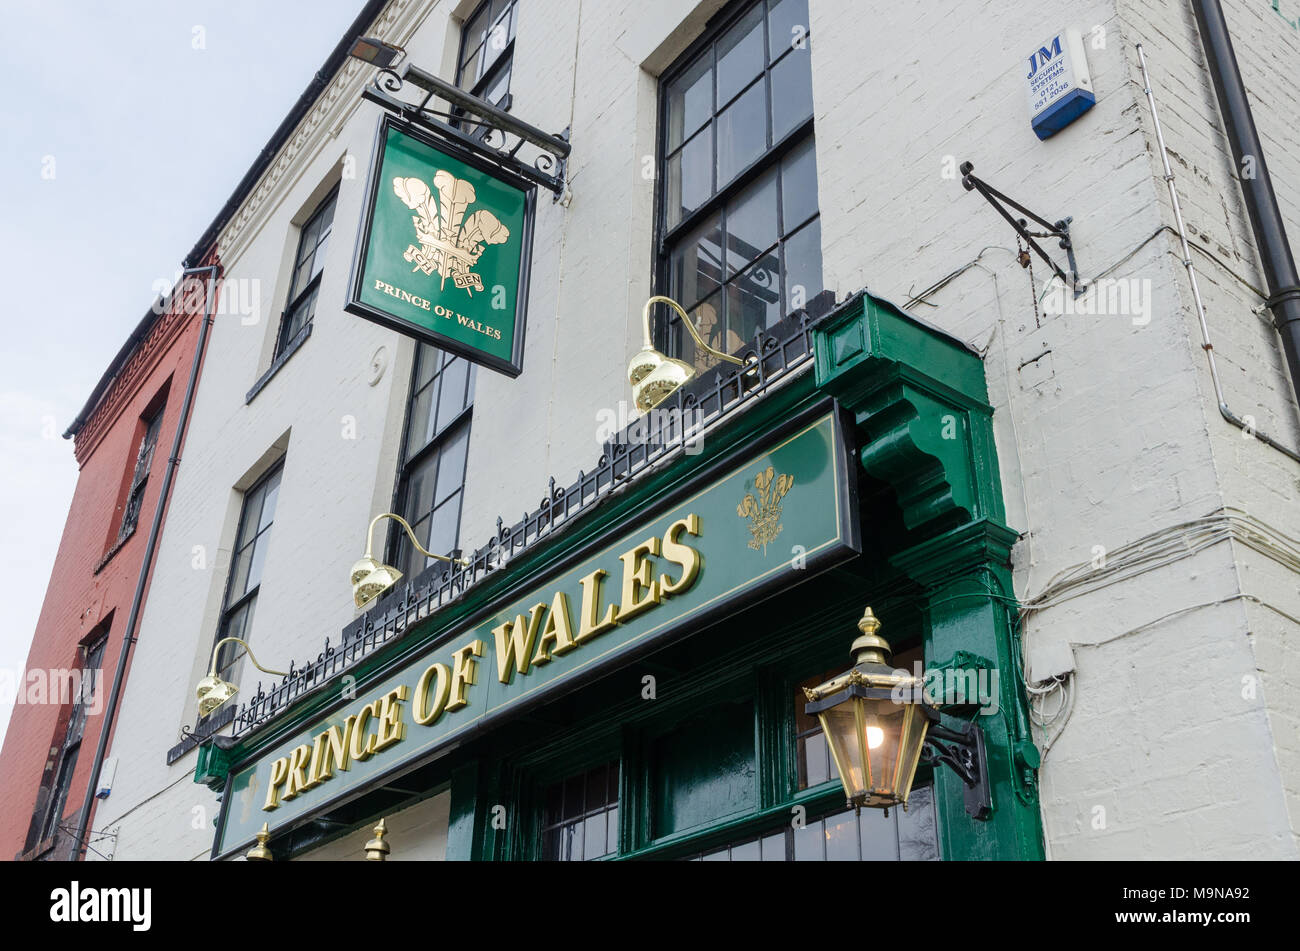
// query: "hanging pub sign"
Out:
[444,248]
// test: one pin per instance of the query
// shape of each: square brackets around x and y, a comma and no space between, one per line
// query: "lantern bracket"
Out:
[962,751]
[1059,229]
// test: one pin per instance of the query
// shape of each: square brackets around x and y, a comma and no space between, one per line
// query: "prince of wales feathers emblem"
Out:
[450,243]
[764,512]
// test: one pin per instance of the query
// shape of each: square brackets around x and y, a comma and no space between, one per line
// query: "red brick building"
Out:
[123,438]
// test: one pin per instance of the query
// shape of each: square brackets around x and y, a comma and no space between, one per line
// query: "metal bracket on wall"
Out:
[497,136]
[962,751]
[1059,230]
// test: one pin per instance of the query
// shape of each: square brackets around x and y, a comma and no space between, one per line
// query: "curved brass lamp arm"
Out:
[410,533]
[248,650]
[687,322]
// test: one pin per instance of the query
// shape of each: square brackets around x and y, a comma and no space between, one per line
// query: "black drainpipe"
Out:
[137,600]
[1261,202]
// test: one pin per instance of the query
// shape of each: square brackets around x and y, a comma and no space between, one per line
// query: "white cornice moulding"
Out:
[330,113]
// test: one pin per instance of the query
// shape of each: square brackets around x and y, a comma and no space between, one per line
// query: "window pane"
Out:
[814,761]
[469,71]
[690,176]
[787,20]
[443,525]
[746,852]
[774,847]
[695,265]
[841,837]
[809,843]
[307,238]
[803,266]
[497,88]
[452,398]
[798,186]
[690,99]
[918,835]
[270,495]
[419,425]
[594,836]
[451,467]
[498,38]
[753,301]
[476,27]
[740,55]
[257,562]
[751,223]
[318,260]
[239,576]
[791,93]
[878,834]
[296,319]
[428,360]
[707,316]
[742,133]
[419,492]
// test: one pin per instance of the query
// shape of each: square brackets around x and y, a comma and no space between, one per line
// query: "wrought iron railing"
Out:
[671,428]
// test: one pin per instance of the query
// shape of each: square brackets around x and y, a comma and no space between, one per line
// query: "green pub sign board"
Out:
[753,524]
[444,248]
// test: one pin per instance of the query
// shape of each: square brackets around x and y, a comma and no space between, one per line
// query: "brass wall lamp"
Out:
[371,578]
[880,724]
[212,690]
[655,376]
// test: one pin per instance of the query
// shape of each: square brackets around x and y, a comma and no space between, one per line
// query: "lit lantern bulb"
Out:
[875,736]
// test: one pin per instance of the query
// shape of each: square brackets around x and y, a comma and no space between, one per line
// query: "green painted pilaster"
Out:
[966,577]
[925,428]
[465,814]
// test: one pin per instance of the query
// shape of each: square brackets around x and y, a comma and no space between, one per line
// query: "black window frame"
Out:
[309,295]
[140,475]
[64,762]
[399,551]
[502,64]
[230,653]
[668,334]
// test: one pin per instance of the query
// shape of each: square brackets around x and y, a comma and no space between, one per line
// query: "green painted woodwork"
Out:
[705,769]
[926,429]
[212,765]
[935,568]
[921,407]
[812,515]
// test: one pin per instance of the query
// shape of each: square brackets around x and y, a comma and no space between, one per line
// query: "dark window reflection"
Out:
[846,836]
[580,816]
[730,118]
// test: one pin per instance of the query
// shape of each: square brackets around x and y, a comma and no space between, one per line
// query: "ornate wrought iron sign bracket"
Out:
[497,136]
[1059,230]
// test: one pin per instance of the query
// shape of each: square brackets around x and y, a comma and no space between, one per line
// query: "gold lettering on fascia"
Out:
[530,640]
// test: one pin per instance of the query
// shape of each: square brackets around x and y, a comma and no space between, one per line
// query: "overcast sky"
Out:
[146,114]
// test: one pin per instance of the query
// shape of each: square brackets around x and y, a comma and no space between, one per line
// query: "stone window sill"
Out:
[299,339]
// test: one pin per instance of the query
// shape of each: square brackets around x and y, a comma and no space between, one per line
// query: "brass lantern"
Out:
[875,720]
[370,578]
[655,376]
[212,691]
